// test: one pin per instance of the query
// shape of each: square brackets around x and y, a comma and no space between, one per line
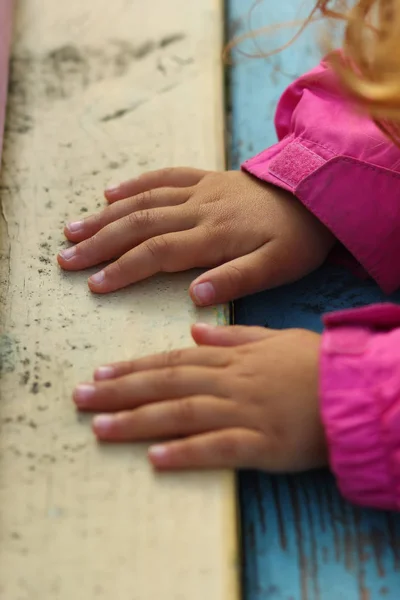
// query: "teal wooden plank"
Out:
[301,540]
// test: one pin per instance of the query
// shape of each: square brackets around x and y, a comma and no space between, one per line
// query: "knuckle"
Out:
[99,220]
[212,177]
[116,270]
[143,199]
[185,411]
[170,376]
[194,205]
[174,357]
[192,454]
[91,245]
[233,275]
[210,186]
[167,380]
[240,359]
[159,248]
[167,172]
[229,448]
[138,220]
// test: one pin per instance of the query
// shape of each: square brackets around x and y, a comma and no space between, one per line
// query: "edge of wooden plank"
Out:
[229,518]
[6,15]
[231,522]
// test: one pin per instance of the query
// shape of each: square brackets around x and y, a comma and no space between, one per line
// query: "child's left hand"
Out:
[248,234]
[246,398]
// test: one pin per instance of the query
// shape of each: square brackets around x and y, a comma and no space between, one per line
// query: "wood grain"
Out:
[5,40]
[301,540]
[99,91]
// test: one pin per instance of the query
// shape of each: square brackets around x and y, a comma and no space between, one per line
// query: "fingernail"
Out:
[102,423]
[158,451]
[204,326]
[75,226]
[105,372]
[204,293]
[68,253]
[97,277]
[113,187]
[83,393]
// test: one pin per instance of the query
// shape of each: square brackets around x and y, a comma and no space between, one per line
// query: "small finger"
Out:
[200,357]
[267,267]
[136,389]
[237,278]
[170,419]
[168,253]
[78,231]
[232,335]
[169,177]
[117,238]
[236,448]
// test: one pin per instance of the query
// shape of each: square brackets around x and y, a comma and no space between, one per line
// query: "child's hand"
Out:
[246,398]
[255,235]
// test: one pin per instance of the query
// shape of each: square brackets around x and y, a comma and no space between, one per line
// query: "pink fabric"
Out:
[5,41]
[360,402]
[306,163]
[338,164]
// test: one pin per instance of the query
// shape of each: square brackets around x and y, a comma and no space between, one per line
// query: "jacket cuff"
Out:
[360,403]
[345,194]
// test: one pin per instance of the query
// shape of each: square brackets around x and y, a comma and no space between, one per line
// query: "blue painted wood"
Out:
[301,540]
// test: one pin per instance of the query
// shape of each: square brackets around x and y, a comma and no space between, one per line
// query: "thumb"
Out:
[240,277]
[234,335]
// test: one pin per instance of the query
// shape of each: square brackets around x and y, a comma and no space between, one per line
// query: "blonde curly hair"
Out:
[369,66]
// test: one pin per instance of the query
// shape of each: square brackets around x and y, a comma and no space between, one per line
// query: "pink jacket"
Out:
[343,169]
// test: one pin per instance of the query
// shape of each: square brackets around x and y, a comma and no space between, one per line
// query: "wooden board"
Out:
[301,540]
[99,91]
[5,39]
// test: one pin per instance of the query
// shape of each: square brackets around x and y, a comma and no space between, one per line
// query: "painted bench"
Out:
[301,540]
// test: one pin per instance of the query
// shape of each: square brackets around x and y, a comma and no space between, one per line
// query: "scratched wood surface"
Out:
[98,91]
[301,540]
[5,38]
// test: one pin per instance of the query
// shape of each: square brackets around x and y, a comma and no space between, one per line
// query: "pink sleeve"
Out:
[360,402]
[342,168]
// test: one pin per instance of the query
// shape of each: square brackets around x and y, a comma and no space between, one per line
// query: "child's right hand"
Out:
[252,235]
[247,397]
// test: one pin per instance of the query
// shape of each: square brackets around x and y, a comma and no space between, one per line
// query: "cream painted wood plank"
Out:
[5,38]
[99,90]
